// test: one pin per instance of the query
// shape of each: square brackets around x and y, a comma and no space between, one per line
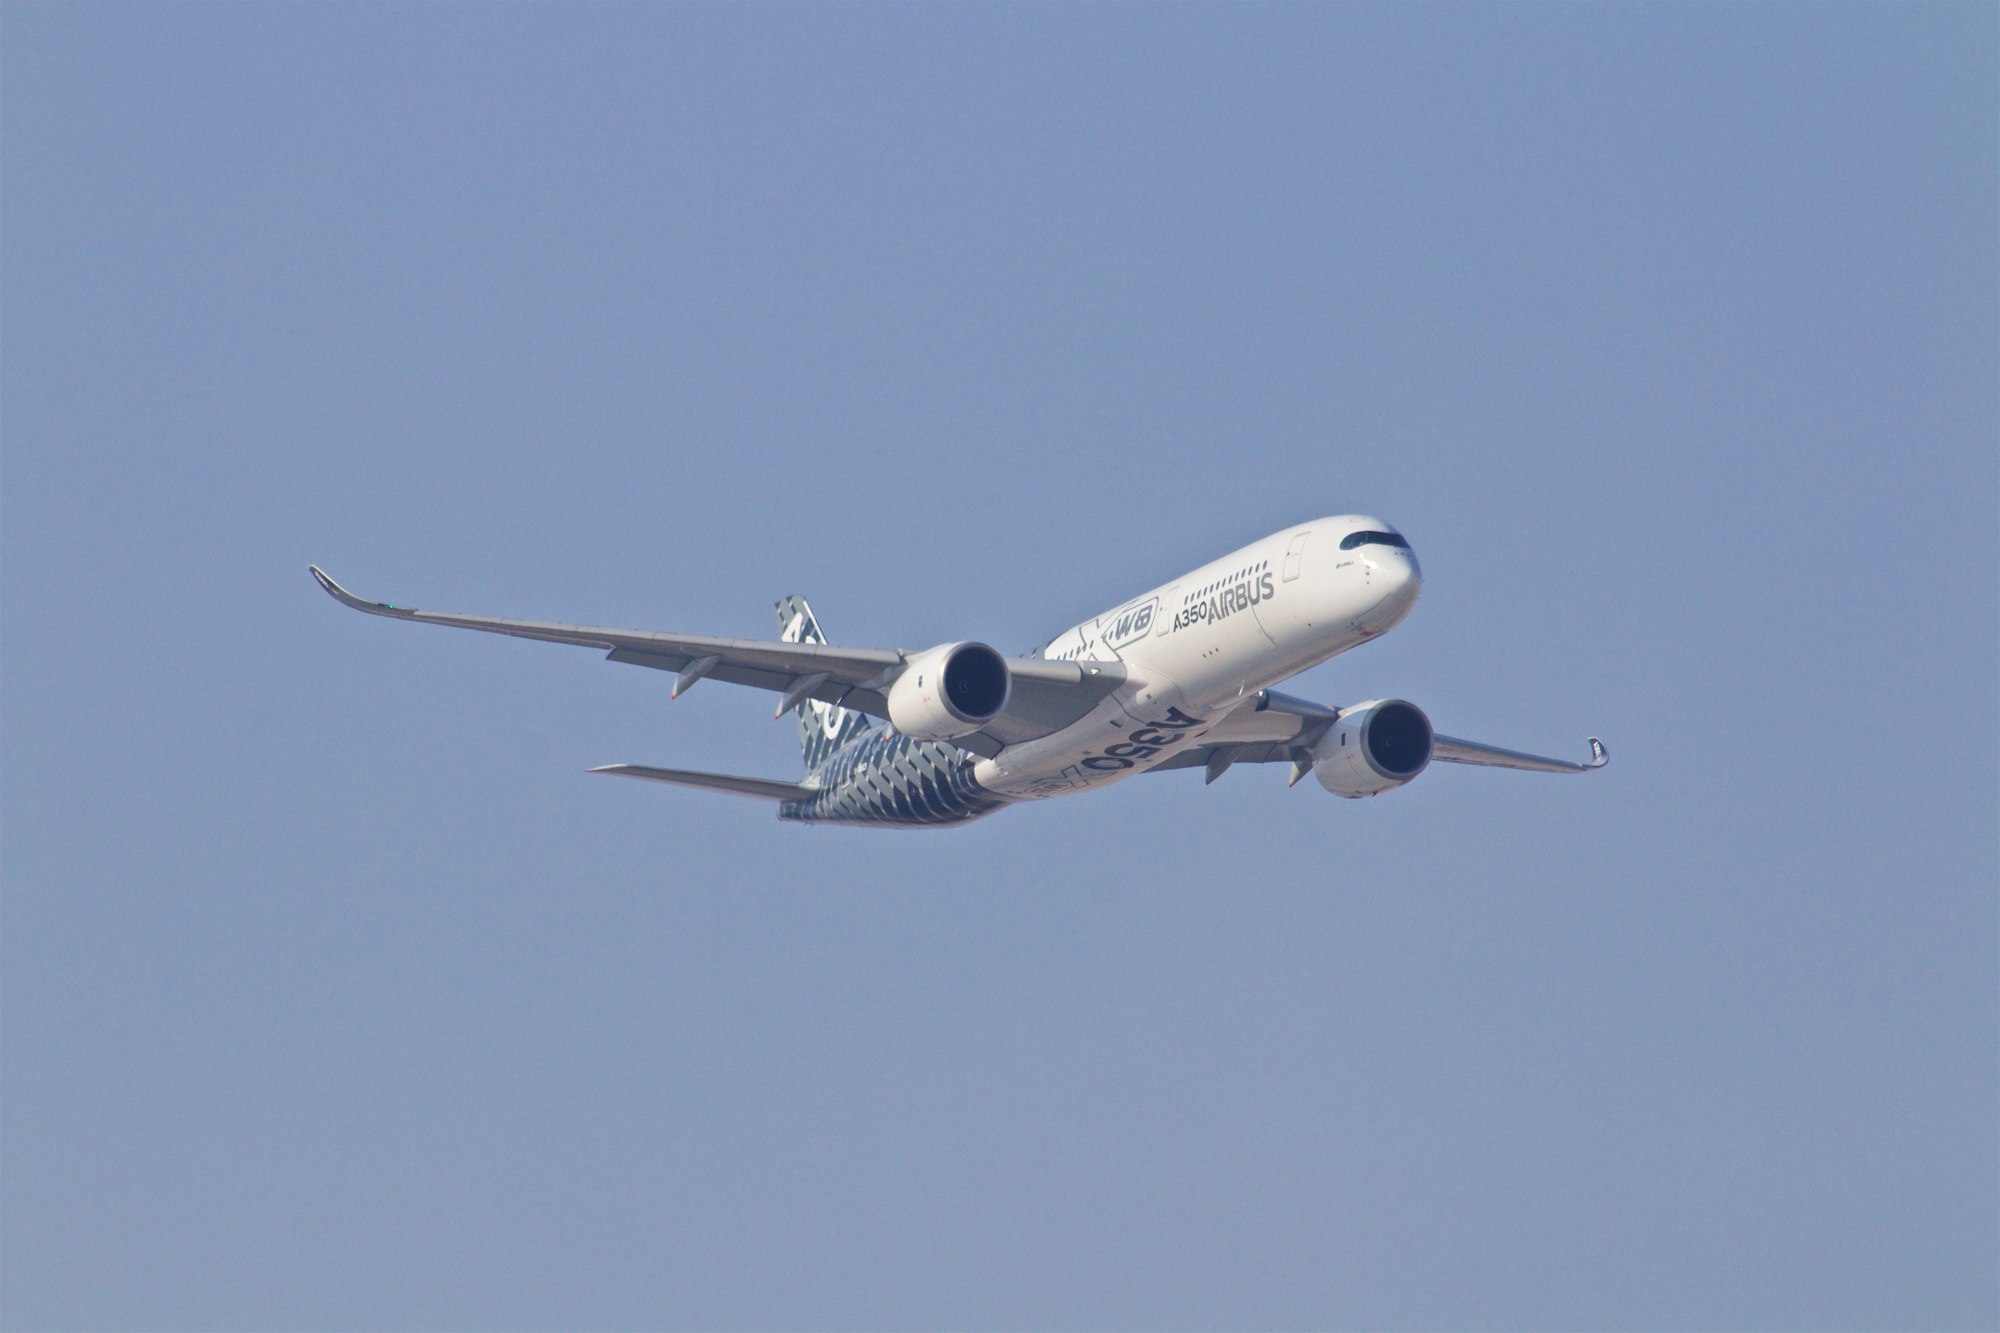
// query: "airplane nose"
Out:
[1397,574]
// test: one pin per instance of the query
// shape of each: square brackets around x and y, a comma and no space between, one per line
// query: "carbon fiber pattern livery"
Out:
[823,727]
[884,777]
[869,774]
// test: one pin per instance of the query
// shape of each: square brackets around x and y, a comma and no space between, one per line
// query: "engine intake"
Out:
[1372,748]
[951,690]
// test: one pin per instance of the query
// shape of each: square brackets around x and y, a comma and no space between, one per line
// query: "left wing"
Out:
[1046,696]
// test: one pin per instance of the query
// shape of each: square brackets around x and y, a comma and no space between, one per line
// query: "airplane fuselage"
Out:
[1196,652]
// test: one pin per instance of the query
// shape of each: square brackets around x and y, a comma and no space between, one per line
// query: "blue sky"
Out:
[337,994]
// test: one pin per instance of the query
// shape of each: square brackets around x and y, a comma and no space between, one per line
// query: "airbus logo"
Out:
[1226,602]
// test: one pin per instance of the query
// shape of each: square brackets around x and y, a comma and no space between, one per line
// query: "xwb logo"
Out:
[1128,625]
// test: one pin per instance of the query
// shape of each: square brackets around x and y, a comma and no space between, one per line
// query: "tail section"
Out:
[823,728]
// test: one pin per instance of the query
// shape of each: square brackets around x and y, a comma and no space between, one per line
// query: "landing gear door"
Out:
[1294,553]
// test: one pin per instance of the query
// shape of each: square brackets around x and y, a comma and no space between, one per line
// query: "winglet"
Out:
[346,598]
[1599,756]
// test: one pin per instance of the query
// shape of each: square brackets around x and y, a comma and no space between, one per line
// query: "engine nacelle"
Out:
[1373,747]
[950,691]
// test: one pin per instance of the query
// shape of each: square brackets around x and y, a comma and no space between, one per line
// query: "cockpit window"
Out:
[1354,539]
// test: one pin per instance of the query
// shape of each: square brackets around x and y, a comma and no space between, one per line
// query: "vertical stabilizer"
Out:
[823,728]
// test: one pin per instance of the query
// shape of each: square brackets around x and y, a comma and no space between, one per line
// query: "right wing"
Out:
[1453,751]
[1046,696]
[1276,728]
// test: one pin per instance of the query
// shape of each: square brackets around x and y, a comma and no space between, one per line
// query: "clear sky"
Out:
[338,995]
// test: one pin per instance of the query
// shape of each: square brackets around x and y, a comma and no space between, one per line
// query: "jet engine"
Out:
[950,691]
[1373,747]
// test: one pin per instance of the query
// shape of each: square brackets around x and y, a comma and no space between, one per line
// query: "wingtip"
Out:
[346,598]
[1599,756]
[333,590]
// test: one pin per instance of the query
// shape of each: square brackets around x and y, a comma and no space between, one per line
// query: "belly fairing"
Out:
[1135,729]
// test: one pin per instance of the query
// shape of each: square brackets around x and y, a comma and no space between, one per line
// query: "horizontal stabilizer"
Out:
[764,788]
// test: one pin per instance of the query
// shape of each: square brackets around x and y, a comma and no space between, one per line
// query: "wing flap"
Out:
[1232,752]
[735,673]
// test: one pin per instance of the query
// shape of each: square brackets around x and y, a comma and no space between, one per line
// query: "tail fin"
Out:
[823,728]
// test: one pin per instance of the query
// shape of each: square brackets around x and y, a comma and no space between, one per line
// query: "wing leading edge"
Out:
[1047,696]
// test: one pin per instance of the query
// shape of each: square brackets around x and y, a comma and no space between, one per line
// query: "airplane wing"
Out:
[1276,728]
[1453,751]
[1046,696]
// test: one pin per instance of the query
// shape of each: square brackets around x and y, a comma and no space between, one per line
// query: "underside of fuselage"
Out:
[884,778]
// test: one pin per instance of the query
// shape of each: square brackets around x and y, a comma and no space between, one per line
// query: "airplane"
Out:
[1177,677]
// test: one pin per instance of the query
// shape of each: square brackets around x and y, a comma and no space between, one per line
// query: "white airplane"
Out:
[1178,677]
